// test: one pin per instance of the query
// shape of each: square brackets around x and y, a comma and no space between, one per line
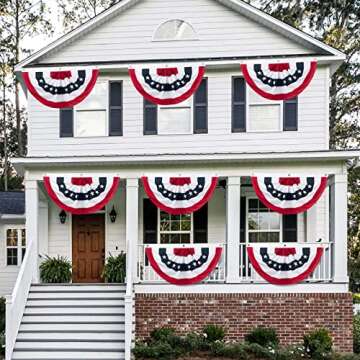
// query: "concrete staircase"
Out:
[73,322]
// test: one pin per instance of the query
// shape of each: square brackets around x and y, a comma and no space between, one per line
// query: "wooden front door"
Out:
[88,248]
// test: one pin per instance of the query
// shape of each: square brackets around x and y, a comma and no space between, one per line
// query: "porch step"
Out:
[73,322]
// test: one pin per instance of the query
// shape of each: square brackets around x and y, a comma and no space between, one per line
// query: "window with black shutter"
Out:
[115,108]
[150,118]
[150,216]
[201,225]
[290,223]
[238,105]
[201,108]
[67,122]
[291,114]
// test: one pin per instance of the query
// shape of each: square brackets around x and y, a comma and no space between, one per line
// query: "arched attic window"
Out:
[175,30]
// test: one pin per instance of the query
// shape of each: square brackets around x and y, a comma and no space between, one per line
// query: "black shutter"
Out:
[115,108]
[242,219]
[67,122]
[201,225]
[291,114]
[201,108]
[150,222]
[238,105]
[150,118]
[290,228]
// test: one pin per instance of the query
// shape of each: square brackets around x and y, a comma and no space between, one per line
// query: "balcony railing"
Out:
[147,274]
[323,272]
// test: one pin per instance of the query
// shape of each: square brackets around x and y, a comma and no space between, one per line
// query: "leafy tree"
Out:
[76,12]
[19,20]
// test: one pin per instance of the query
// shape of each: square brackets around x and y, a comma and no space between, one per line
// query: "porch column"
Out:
[233,229]
[132,234]
[32,220]
[338,226]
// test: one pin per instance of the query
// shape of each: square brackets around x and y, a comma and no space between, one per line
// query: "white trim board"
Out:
[236,5]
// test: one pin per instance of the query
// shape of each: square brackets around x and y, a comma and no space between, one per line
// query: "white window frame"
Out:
[177,106]
[196,37]
[19,247]
[159,232]
[262,103]
[247,230]
[107,112]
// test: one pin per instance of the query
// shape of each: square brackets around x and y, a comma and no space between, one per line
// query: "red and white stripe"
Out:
[285,254]
[186,256]
[80,185]
[279,71]
[166,74]
[61,79]
[179,185]
[289,185]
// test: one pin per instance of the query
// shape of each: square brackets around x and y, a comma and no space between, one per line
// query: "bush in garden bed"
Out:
[164,344]
[55,270]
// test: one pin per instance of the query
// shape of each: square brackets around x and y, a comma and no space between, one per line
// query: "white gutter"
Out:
[12,217]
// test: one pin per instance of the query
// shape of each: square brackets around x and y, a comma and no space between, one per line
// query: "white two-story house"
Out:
[193,136]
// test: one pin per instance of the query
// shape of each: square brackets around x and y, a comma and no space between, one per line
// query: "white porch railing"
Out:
[147,274]
[15,303]
[323,272]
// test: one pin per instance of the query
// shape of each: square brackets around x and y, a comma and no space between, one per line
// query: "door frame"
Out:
[70,230]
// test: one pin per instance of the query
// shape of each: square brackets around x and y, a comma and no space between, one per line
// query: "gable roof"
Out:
[239,6]
[12,203]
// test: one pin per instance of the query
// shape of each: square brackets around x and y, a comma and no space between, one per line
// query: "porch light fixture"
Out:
[62,217]
[113,215]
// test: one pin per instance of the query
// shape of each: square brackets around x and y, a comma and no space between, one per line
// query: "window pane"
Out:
[264,221]
[175,30]
[115,122]
[98,98]
[115,94]
[264,117]
[175,225]
[23,237]
[164,216]
[12,237]
[253,221]
[12,257]
[274,221]
[175,238]
[174,120]
[90,123]
[185,238]
[185,225]
[165,226]
[253,204]
[254,237]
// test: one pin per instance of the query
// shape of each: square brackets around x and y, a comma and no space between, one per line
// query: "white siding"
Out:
[312,134]
[129,36]
[8,274]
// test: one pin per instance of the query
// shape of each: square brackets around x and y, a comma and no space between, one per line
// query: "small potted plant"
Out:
[56,270]
[115,269]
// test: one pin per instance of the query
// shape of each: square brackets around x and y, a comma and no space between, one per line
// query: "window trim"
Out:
[159,232]
[115,107]
[153,38]
[251,197]
[19,246]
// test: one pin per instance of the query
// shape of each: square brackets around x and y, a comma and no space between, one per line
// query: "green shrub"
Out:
[159,350]
[356,333]
[55,270]
[214,333]
[162,334]
[263,336]
[318,344]
[115,269]
[195,342]
[232,351]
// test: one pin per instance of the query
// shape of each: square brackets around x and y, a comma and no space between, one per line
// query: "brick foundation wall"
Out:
[292,315]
